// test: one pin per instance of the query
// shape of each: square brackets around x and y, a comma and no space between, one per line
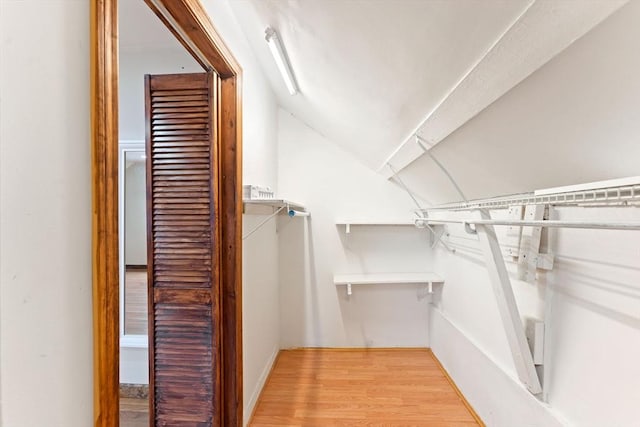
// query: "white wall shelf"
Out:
[386,278]
[347,224]
[274,203]
[273,208]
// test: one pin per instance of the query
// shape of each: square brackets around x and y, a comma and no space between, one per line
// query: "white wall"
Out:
[259,113]
[333,185]
[574,120]
[45,215]
[261,328]
[135,213]
[134,64]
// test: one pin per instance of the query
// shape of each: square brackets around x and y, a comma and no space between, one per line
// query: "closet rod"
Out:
[523,223]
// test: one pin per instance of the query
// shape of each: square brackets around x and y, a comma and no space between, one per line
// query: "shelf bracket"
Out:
[347,228]
[513,327]
[257,227]
[349,292]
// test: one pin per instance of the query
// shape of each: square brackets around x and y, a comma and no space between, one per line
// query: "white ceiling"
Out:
[140,29]
[371,72]
[374,72]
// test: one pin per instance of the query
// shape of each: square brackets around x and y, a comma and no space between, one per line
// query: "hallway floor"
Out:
[134,412]
[334,387]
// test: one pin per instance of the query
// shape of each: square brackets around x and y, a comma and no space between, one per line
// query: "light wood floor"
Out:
[347,388]
[135,302]
[134,412]
[396,387]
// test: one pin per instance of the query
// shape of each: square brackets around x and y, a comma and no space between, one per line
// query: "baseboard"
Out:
[466,403]
[499,399]
[255,396]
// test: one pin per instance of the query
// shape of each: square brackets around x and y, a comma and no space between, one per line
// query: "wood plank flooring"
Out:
[322,387]
[134,412]
[394,387]
[135,302]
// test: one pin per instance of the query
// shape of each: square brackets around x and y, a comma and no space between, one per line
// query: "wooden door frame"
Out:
[189,22]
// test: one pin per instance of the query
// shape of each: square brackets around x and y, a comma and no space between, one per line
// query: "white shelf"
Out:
[275,203]
[347,224]
[373,222]
[616,192]
[386,278]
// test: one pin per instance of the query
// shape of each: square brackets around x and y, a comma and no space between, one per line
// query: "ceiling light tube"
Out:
[280,56]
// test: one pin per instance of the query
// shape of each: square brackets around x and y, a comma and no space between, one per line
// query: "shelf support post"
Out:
[507,306]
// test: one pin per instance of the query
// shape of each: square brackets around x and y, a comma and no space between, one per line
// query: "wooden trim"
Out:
[198,35]
[230,128]
[457,390]
[176,33]
[104,171]
[188,20]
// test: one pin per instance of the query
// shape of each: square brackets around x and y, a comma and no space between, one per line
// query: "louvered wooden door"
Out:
[183,250]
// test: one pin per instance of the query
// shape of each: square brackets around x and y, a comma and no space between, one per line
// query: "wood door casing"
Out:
[183,236]
[189,22]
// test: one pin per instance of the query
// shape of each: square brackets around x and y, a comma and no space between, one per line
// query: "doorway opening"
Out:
[111,161]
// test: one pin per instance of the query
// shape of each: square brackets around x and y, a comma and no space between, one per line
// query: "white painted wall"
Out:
[260,291]
[135,213]
[596,312]
[574,120]
[134,64]
[45,215]
[334,185]
[259,104]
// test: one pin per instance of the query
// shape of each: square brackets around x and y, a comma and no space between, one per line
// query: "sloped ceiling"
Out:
[373,73]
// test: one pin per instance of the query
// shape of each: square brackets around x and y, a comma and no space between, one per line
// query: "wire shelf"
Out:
[624,195]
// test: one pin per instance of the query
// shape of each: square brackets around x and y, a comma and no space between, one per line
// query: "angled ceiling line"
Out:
[387,163]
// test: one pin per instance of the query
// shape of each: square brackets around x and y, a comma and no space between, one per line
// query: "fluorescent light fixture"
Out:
[280,56]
